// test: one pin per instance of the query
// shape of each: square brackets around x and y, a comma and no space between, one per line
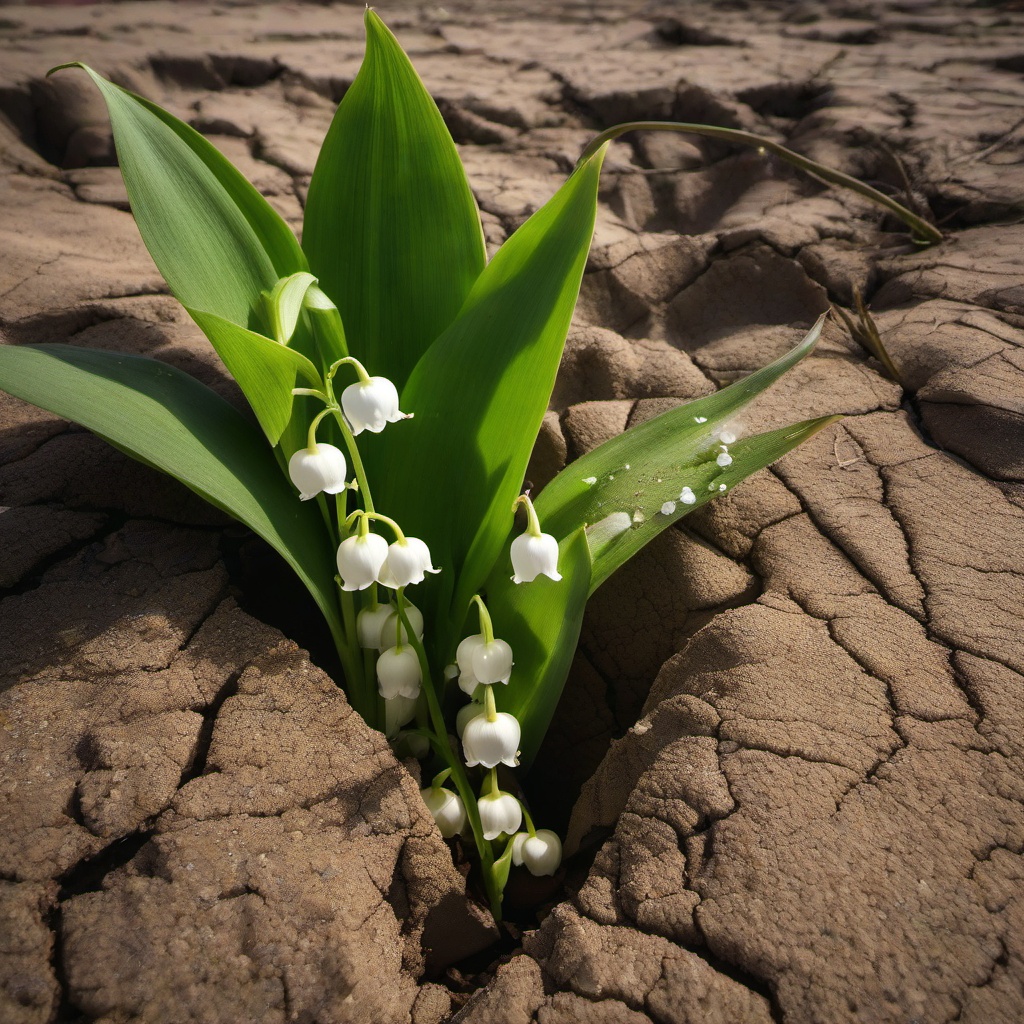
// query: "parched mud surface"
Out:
[794,726]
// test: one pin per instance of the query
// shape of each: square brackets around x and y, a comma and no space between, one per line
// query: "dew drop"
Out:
[590,480]
[722,487]
[686,496]
[668,508]
[700,419]
[725,459]
[638,516]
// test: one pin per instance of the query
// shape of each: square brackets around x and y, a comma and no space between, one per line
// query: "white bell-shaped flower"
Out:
[316,469]
[398,673]
[465,715]
[371,405]
[393,626]
[447,808]
[398,711]
[534,555]
[408,562]
[490,742]
[468,681]
[541,852]
[360,559]
[492,662]
[499,812]
[370,624]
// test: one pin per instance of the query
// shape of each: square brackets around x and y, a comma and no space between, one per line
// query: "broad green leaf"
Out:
[265,370]
[480,392]
[215,239]
[170,421]
[391,228]
[661,466]
[633,475]
[541,620]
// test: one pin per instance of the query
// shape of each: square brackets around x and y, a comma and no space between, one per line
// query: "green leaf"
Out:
[660,466]
[541,620]
[284,305]
[265,370]
[480,392]
[170,421]
[391,228]
[621,486]
[215,239]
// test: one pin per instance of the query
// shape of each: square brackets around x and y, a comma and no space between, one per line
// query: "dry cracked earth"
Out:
[789,759]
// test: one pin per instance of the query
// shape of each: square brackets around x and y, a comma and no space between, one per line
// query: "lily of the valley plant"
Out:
[399,381]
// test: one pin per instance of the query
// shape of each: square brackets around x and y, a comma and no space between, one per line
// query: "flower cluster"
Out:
[390,631]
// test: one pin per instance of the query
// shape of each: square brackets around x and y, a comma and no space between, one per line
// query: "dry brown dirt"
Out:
[789,759]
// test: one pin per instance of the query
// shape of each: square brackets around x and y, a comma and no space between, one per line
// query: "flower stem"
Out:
[533,523]
[527,819]
[490,709]
[357,459]
[921,230]
[311,433]
[486,626]
[443,746]
[364,377]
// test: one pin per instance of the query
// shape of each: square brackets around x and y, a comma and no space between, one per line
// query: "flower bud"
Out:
[541,853]
[398,711]
[492,662]
[447,808]
[499,812]
[490,743]
[370,624]
[533,556]
[393,626]
[407,562]
[316,469]
[370,405]
[360,559]
[398,673]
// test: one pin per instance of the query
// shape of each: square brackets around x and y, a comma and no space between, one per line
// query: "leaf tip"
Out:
[64,67]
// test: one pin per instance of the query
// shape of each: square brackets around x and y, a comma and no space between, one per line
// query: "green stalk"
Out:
[459,777]
[923,233]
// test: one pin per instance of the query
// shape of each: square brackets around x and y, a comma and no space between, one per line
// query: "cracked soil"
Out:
[789,758]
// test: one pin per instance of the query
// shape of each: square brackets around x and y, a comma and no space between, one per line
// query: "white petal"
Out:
[499,813]
[468,682]
[465,715]
[517,847]
[447,809]
[398,711]
[541,853]
[534,556]
[370,623]
[407,562]
[490,743]
[370,405]
[392,626]
[360,559]
[322,469]
[398,673]
[492,663]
